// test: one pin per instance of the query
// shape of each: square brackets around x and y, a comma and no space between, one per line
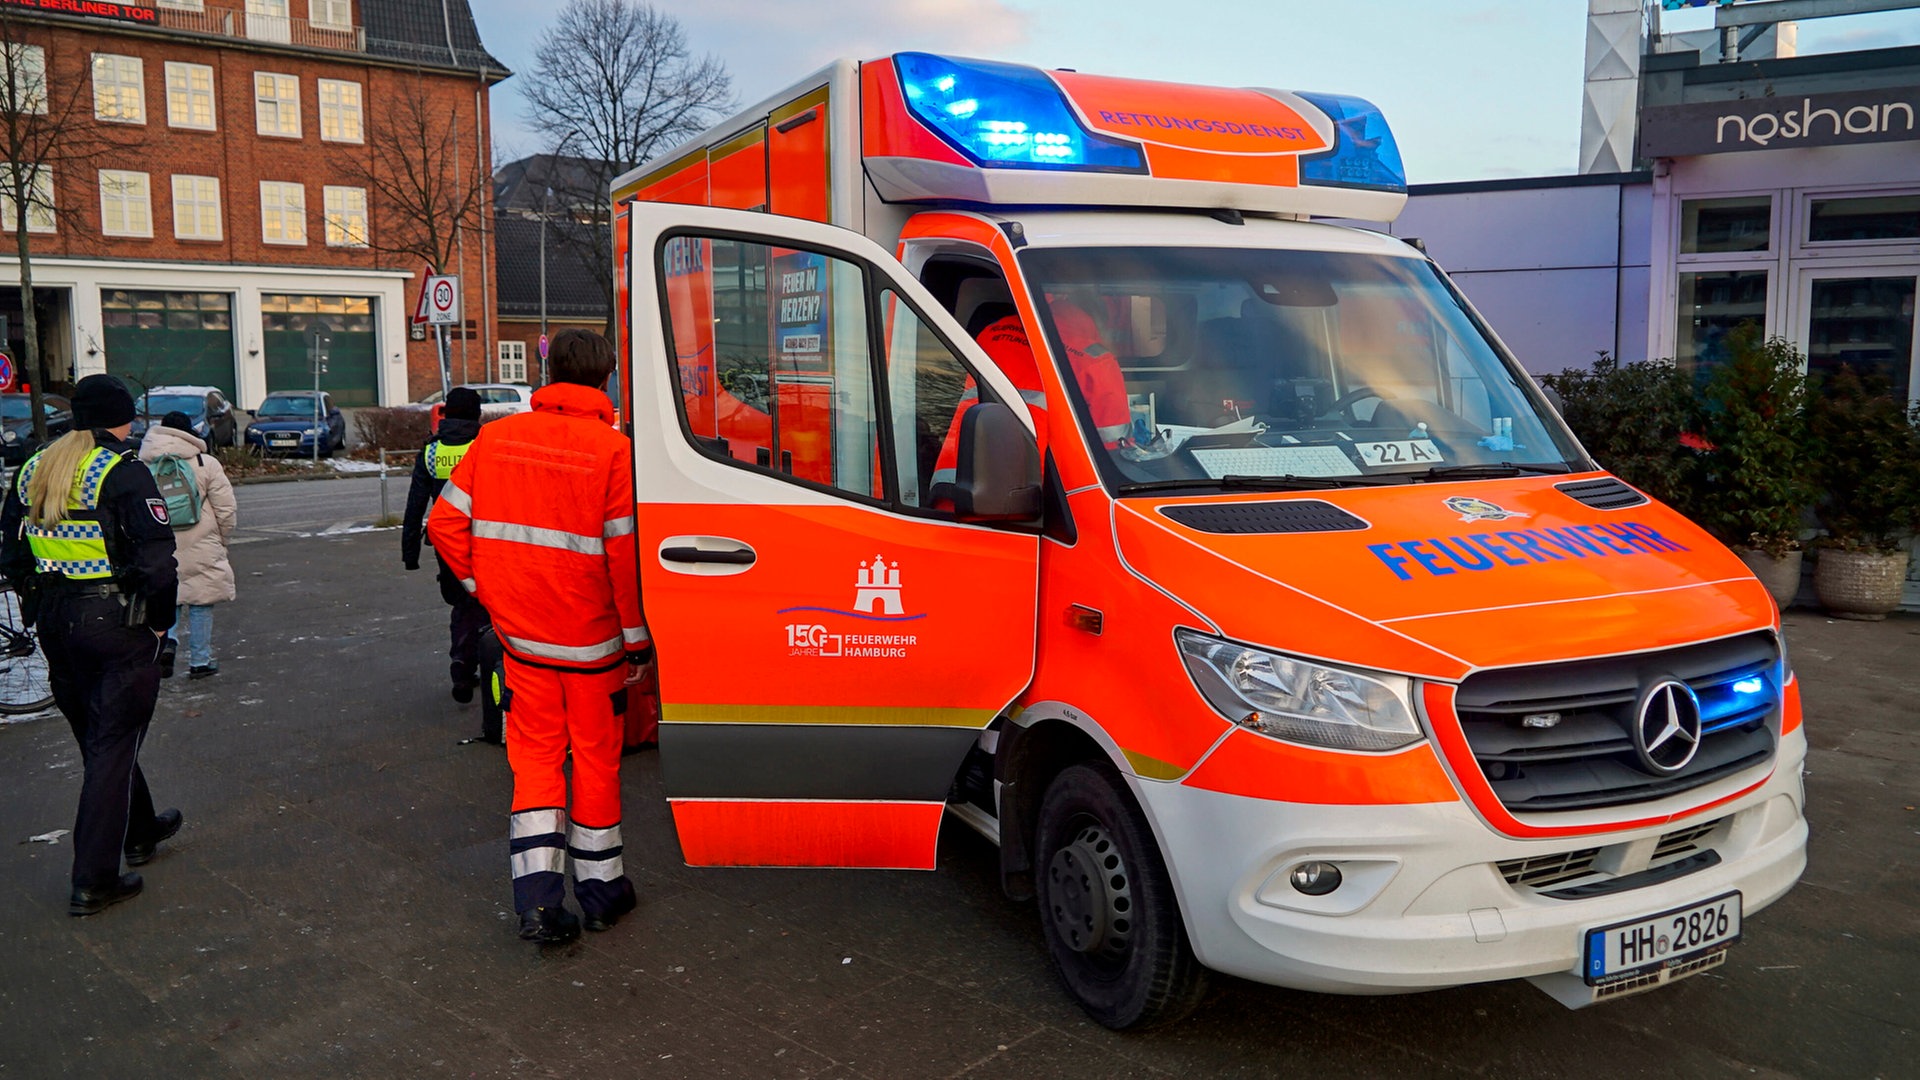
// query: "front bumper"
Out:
[1424,904]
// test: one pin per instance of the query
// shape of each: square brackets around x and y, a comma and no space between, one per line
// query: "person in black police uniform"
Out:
[459,423]
[85,540]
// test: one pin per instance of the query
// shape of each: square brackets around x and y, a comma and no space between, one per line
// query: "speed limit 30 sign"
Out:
[442,300]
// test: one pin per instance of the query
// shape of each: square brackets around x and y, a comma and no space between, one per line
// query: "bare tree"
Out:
[47,131]
[423,192]
[614,83]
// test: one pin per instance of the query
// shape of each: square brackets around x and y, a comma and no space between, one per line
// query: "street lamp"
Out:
[546,201]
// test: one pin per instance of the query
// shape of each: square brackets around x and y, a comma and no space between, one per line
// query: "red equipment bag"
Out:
[643,712]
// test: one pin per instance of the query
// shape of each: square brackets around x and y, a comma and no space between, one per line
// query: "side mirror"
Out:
[998,474]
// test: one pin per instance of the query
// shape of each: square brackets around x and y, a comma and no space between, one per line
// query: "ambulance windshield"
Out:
[1216,367]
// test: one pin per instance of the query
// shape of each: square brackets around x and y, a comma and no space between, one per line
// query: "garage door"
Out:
[353,357]
[158,338]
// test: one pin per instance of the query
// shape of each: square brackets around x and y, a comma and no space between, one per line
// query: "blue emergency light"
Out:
[1364,154]
[1004,116]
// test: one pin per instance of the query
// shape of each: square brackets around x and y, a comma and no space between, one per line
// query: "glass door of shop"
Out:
[1862,317]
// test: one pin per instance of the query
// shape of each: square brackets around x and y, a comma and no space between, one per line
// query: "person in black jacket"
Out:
[458,425]
[84,537]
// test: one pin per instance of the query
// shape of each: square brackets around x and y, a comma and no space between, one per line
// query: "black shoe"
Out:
[549,926]
[167,652]
[87,901]
[165,824]
[463,693]
[601,921]
[203,671]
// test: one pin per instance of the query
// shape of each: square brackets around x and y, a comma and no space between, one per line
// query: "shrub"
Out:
[1866,446]
[393,429]
[1756,472]
[1632,419]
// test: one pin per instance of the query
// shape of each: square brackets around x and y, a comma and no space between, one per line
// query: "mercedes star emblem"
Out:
[1667,730]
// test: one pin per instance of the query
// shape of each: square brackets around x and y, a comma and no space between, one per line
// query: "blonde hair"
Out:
[55,477]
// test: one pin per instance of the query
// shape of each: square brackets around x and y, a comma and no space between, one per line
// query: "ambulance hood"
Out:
[1440,579]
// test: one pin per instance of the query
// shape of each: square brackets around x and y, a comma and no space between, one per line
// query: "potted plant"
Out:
[1633,419]
[1867,451]
[1756,470]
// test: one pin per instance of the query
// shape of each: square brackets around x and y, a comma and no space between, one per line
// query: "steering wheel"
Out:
[1345,402]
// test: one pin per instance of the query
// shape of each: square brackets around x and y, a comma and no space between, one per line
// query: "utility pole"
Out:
[546,208]
[318,341]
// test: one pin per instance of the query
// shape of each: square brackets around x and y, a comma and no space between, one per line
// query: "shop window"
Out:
[1877,217]
[276,104]
[39,203]
[1714,303]
[126,203]
[190,96]
[119,89]
[1863,323]
[1715,226]
[774,370]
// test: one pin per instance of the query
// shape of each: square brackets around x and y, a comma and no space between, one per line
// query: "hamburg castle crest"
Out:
[879,585]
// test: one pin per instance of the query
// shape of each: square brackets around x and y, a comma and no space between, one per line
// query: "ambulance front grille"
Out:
[1557,737]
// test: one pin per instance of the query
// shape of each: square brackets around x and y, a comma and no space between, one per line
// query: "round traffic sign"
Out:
[443,296]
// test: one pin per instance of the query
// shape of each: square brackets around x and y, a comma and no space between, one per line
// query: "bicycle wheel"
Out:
[23,668]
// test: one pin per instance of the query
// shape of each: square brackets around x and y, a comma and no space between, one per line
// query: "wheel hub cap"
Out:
[1090,894]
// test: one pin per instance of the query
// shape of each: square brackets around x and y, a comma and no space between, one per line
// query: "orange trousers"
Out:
[551,711]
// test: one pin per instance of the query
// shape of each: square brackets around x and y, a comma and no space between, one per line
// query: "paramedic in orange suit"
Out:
[537,522]
[1095,369]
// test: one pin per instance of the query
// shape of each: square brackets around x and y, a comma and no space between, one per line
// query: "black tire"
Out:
[1107,906]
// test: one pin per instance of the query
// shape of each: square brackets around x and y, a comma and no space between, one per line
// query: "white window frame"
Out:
[184,5]
[180,109]
[511,363]
[110,95]
[40,218]
[191,193]
[342,230]
[26,66]
[269,20]
[336,114]
[118,200]
[274,203]
[330,14]
[284,100]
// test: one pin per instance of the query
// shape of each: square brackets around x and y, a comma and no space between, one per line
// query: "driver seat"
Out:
[1237,359]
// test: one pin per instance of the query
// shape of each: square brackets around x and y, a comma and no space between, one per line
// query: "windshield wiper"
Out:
[1491,470]
[1251,483]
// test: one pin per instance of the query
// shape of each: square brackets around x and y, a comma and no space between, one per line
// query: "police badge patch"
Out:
[158,508]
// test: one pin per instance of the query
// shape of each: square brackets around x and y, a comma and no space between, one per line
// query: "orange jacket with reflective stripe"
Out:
[537,522]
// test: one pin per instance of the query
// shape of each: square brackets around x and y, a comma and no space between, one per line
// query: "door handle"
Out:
[705,555]
[696,555]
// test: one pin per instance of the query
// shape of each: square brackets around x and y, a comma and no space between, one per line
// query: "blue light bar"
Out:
[1364,154]
[1004,116]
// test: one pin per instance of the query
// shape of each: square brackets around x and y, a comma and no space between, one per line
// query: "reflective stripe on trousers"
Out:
[537,853]
[596,853]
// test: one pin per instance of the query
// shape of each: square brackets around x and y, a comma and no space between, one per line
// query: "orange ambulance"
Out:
[1299,640]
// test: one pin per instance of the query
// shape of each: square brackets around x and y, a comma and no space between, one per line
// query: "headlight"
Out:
[1297,700]
[11,436]
[311,431]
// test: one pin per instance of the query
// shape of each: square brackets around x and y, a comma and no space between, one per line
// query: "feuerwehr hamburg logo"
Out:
[1472,509]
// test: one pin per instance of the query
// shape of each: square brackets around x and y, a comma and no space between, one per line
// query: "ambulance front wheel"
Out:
[1107,906]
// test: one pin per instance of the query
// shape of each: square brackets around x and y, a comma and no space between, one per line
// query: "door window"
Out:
[773,366]
[928,390]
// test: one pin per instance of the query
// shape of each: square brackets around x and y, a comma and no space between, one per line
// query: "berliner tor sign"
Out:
[1781,123]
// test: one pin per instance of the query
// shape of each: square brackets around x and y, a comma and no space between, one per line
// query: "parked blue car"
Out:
[288,423]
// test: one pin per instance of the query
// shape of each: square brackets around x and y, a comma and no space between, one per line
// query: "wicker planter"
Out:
[1859,584]
[1781,576]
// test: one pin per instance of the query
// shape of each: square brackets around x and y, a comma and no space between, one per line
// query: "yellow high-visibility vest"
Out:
[77,547]
[442,457]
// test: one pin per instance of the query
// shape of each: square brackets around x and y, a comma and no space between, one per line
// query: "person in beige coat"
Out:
[206,577]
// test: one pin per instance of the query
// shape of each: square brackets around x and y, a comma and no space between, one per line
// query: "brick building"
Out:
[232,202]
[560,191]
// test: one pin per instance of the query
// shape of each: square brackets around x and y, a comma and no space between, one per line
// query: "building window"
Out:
[267,21]
[39,202]
[331,14]
[190,96]
[1717,226]
[126,203]
[283,212]
[196,207]
[184,5]
[119,89]
[1714,303]
[346,213]
[276,104]
[513,361]
[26,82]
[339,111]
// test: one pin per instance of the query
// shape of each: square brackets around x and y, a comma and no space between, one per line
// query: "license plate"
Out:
[1656,942]
[1404,452]
[285,439]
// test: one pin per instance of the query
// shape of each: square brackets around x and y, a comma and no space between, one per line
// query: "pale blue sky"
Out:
[1475,89]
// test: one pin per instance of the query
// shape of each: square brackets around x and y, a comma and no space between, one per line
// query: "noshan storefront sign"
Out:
[98,9]
[1781,123]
